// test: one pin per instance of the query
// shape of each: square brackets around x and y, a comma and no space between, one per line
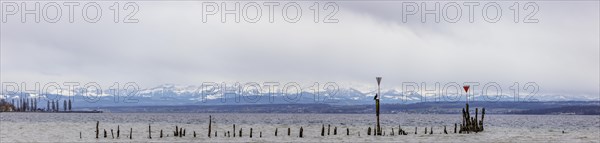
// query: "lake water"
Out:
[66,127]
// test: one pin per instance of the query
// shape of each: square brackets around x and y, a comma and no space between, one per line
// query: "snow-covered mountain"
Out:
[169,94]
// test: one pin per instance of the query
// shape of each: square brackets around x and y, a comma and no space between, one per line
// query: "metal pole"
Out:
[378,130]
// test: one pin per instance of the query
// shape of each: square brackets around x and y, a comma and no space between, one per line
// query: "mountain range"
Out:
[170,95]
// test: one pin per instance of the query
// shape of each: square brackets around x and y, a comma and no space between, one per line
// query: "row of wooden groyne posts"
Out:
[469,124]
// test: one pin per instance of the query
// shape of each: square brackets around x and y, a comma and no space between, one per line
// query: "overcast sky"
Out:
[171,44]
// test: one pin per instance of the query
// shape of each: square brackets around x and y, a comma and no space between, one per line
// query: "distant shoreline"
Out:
[533,108]
[60,112]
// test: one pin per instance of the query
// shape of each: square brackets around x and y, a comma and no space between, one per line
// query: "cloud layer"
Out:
[171,44]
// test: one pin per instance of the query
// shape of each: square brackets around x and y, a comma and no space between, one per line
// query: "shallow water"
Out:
[65,127]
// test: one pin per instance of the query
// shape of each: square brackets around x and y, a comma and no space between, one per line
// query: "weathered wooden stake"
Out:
[347,131]
[445,132]
[323,130]
[369,131]
[97,130]
[161,134]
[455,128]
[260,134]
[400,131]
[80,135]
[430,131]
[130,133]
[334,130]
[176,133]
[375,130]
[149,131]
[275,131]
[289,130]
[118,131]
[301,131]
[111,133]
[240,132]
[328,128]
[233,130]
[415,130]
[250,132]
[209,125]
[425,130]
[482,115]
[104,133]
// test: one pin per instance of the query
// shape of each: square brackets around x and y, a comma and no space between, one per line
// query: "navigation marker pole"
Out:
[377,98]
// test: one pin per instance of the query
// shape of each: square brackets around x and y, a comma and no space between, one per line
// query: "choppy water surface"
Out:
[53,127]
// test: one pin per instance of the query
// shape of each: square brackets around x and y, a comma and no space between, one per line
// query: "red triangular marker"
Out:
[466,87]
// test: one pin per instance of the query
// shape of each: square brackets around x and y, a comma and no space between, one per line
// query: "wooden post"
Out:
[347,131]
[392,134]
[149,131]
[482,115]
[472,125]
[289,130]
[369,131]
[334,130]
[130,133]
[275,131]
[430,131]
[161,134]
[328,128]
[240,132]
[97,130]
[455,128]
[468,119]
[250,132]
[399,130]
[180,132]
[209,125]
[425,130]
[415,130]
[111,133]
[234,130]
[118,131]
[445,132]
[176,133]
[323,130]
[104,133]
[228,134]
[462,126]
[260,134]
[79,135]
[301,130]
